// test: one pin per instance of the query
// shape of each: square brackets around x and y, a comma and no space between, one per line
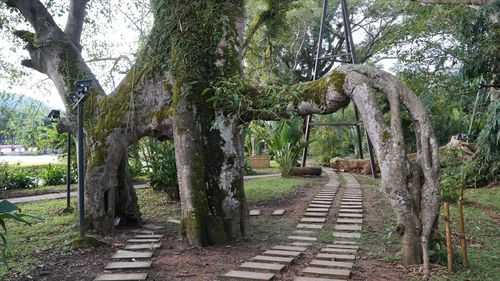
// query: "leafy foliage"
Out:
[161,167]
[286,144]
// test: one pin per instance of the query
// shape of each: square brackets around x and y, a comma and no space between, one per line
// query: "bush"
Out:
[160,161]
[286,144]
[14,178]
[53,175]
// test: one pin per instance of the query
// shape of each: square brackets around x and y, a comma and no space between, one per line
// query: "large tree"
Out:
[188,82]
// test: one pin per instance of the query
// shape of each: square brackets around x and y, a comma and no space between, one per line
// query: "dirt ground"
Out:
[178,261]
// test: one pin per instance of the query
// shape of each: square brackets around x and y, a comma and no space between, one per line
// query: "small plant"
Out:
[160,159]
[286,144]
[15,178]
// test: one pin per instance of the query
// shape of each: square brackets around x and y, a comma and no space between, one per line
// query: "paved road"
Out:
[73,194]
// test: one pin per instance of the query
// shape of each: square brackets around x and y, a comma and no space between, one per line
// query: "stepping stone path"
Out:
[335,261]
[278,212]
[278,258]
[128,260]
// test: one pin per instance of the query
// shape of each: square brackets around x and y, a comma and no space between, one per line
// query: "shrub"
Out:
[53,175]
[15,178]
[160,162]
[286,144]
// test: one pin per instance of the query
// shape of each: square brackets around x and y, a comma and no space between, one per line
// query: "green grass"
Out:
[484,232]
[55,231]
[264,189]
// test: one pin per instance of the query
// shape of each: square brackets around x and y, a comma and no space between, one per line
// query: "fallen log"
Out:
[305,171]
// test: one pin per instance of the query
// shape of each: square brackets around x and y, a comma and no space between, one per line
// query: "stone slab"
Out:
[278,212]
[347,234]
[315,214]
[317,210]
[289,248]
[304,278]
[247,275]
[174,221]
[340,273]
[254,213]
[285,260]
[342,206]
[121,277]
[301,244]
[121,254]
[146,246]
[341,246]
[128,265]
[351,210]
[305,232]
[148,236]
[282,253]
[349,215]
[355,221]
[336,257]
[321,202]
[313,220]
[312,205]
[348,227]
[143,231]
[302,238]
[324,197]
[153,227]
[344,242]
[143,240]
[309,226]
[355,203]
[339,251]
[341,264]
[275,267]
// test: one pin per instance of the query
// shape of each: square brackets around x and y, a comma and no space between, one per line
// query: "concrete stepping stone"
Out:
[143,231]
[336,257]
[148,236]
[340,246]
[143,240]
[312,205]
[301,244]
[278,212]
[342,206]
[340,273]
[151,226]
[348,227]
[354,221]
[315,214]
[313,220]
[351,203]
[303,278]
[289,248]
[275,267]
[329,200]
[341,264]
[147,246]
[128,265]
[305,232]
[121,254]
[328,197]
[247,275]
[302,238]
[324,209]
[349,215]
[347,234]
[254,213]
[339,251]
[174,221]
[327,193]
[321,202]
[122,277]
[344,242]
[351,210]
[309,226]
[285,260]
[282,253]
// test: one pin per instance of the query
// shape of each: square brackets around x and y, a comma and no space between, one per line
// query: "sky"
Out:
[118,36]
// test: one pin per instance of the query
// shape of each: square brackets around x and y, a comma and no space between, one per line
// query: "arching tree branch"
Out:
[76,17]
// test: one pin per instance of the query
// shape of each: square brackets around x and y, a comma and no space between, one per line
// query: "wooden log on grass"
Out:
[305,171]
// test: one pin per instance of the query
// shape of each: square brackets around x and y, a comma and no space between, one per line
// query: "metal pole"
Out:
[68,175]
[81,170]
[315,76]
[351,49]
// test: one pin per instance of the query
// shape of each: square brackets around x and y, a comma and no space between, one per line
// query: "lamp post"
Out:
[53,117]
[82,89]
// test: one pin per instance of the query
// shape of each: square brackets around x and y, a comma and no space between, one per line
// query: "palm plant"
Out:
[8,211]
[285,144]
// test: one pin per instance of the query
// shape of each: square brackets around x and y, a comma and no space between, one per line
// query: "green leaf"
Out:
[7,207]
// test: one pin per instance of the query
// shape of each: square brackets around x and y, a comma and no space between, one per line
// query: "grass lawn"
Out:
[57,230]
[264,189]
